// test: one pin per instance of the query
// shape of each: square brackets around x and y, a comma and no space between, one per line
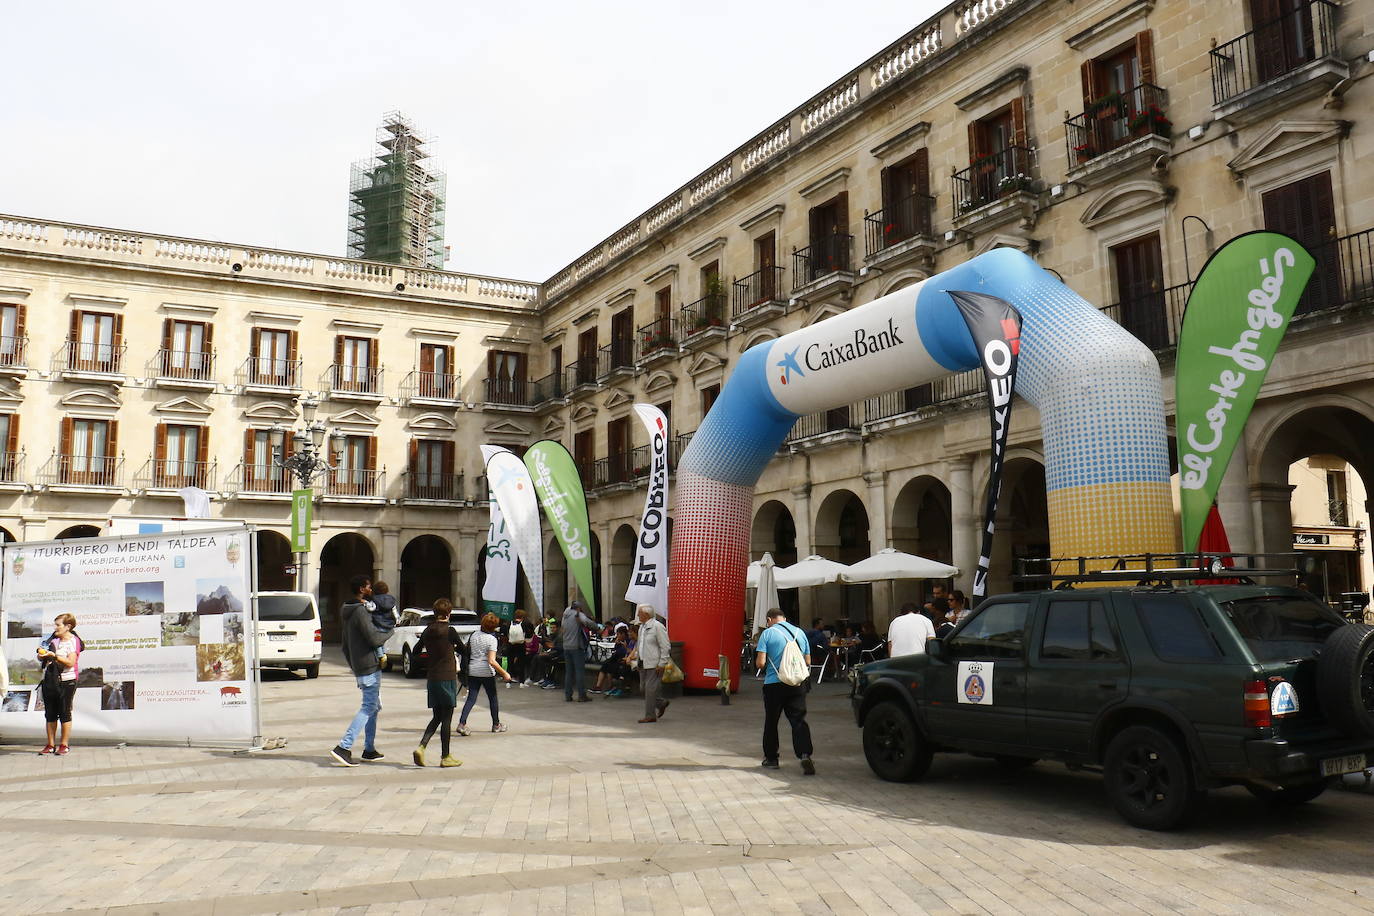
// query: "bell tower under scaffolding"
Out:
[396,200]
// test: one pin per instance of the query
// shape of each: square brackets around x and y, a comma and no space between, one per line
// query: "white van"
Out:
[289,631]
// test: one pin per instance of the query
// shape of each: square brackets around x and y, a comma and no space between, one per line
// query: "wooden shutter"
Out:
[371,453]
[208,347]
[112,440]
[520,367]
[975,141]
[74,334]
[20,316]
[814,231]
[255,344]
[202,448]
[160,451]
[12,440]
[920,167]
[842,213]
[414,454]
[167,326]
[64,440]
[338,351]
[249,440]
[1018,124]
[117,340]
[426,358]
[1145,56]
[889,197]
[373,345]
[1088,73]
[291,339]
[446,457]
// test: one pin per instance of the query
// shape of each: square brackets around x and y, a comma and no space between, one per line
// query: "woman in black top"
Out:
[439,640]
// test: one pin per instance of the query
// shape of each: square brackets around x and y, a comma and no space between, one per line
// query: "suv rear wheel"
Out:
[1345,679]
[1149,779]
[1290,795]
[893,746]
[408,666]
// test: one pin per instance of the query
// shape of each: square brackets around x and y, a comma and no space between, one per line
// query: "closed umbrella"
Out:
[813,570]
[766,590]
[890,563]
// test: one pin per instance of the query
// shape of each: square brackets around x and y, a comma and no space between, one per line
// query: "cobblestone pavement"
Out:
[578,808]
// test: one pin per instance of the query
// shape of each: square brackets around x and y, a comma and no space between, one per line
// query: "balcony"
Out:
[435,389]
[347,382]
[1154,318]
[265,482]
[189,369]
[356,485]
[514,395]
[900,232]
[551,390]
[583,375]
[431,487]
[270,376]
[759,297]
[94,474]
[837,426]
[824,268]
[995,190]
[703,322]
[895,408]
[13,351]
[614,472]
[168,475]
[12,476]
[616,360]
[1281,62]
[1118,133]
[81,361]
[657,341]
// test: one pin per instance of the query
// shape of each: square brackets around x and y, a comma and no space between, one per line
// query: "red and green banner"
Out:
[559,486]
[1235,319]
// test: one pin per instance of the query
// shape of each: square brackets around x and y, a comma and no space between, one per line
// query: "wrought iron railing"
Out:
[904,219]
[658,336]
[847,418]
[549,388]
[193,365]
[432,485]
[12,351]
[270,371]
[909,400]
[1273,49]
[706,313]
[356,482]
[1153,317]
[173,474]
[12,467]
[583,371]
[84,356]
[259,478]
[679,446]
[989,178]
[351,379]
[618,354]
[82,470]
[761,287]
[1115,120]
[440,386]
[826,255]
[508,392]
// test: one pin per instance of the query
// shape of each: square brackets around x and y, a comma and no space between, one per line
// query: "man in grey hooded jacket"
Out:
[360,641]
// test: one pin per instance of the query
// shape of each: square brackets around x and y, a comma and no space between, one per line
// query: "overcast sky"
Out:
[557,123]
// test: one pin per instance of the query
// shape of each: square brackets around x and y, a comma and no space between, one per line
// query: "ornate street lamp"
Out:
[308,461]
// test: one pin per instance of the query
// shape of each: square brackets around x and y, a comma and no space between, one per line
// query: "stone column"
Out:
[964,520]
[1233,502]
[465,590]
[1273,517]
[389,569]
[608,597]
[878,538]
[801,518]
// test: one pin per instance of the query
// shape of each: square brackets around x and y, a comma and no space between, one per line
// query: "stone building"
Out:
[1118,143]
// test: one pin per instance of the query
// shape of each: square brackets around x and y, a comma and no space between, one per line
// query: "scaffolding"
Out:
[396,200]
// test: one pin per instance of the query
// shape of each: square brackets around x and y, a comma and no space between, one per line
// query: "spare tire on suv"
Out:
[1345,679]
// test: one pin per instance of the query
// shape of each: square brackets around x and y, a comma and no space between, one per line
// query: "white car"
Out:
[403,645]
[288,633]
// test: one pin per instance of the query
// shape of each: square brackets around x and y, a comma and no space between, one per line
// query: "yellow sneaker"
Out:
[418,756]
[450,761]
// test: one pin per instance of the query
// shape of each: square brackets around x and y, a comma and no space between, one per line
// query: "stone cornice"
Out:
[1010,78]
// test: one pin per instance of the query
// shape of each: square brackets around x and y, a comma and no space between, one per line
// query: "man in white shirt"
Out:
[907,634]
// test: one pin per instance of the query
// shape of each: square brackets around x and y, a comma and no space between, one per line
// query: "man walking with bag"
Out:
[785,655]
[653,652]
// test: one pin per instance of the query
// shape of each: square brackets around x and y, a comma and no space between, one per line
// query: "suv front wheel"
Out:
[1149,779]
[894,747]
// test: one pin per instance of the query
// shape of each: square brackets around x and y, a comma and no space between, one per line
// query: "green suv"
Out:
[1169,690]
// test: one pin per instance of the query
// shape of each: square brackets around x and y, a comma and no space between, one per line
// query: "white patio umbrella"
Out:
[813,570]
[891,563]
[765,590]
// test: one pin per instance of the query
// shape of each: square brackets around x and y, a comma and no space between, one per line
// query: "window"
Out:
[12,335]
[1175,629]
[618,450]
[87,451]
[356,474]
[1305,210]
[1284,36]
[829,238]
[584,456]
[1078,631]
[186,349]
[179,456]
[95,342]
[1120,100]
[906,199]
[1279,627]
[667,408]
[9,441]
[259,474]
[1336,498]
[505,377]
[1140,290]
[999,162]
[273,358]
[436,371]
[708,398]
[431,470]
[712,293]
[763,285]
[623,338]
[586,357]
[663,303]
[995,631]
[356,364]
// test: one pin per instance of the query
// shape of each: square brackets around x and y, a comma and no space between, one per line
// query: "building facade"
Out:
[1118,143]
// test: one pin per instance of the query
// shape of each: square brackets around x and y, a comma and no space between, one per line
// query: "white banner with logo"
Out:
[649,575]
[498,591]
[162,617]
[509,482]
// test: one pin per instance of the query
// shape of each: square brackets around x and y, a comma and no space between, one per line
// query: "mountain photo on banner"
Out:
[510,484]
[565,506]
[649,574]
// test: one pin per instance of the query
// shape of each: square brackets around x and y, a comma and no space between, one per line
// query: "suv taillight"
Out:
[317,636]
[1257,705]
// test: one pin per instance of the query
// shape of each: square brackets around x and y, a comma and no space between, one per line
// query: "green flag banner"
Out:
[1236,316]
[565,506]
[302,501]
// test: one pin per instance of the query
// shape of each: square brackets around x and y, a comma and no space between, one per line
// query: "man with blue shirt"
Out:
[779,698]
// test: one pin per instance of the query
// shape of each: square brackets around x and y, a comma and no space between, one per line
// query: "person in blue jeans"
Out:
[779,698]
[360,641]
[575,652]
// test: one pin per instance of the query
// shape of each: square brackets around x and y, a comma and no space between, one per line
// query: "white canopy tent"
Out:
[811,571]
[891,563]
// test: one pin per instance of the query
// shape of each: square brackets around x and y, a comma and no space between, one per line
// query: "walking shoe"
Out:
[463,730]
[595,690]
[549,685]
[567,699]
[47,749]
[418,755]
[648,719]
[524,683]
[510,684]
[662,707]
[343,755]
[450,761]
[584,699]
[498,727]
[770,762]
[808,766]
[62,750]
[371,753]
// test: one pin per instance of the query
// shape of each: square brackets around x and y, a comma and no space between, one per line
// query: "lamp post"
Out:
[307,462]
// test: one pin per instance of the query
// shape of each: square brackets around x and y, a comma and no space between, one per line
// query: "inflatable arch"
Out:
[1097,389]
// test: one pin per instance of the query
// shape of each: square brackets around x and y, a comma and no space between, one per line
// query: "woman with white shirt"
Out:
[59,654]
[482,670]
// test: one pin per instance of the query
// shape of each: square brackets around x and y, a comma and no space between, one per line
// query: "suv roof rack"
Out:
[1146,569]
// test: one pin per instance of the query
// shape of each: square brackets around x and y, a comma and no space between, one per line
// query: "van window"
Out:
[285,607]
[995,631]
[1077,630]
[1175,629]
[1282,627]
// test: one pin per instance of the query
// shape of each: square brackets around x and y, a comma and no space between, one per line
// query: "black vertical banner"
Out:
[996,329]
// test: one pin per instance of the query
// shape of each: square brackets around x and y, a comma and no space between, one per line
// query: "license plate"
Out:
[1335,766]
[275,637]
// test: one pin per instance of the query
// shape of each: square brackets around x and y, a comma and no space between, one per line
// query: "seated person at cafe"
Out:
[544,666]
[940,616]
[819,640]
[849,645]
[870,641]
[614,668]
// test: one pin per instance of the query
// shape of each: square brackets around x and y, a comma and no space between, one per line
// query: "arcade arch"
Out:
[79,531]
[922,525]
[343,557]
[557,582]
[621,560]
[1023,521]
[841,534]
[426,572]
[274,557]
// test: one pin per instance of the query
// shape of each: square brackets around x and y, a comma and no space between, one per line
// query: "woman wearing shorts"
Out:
[59,653]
